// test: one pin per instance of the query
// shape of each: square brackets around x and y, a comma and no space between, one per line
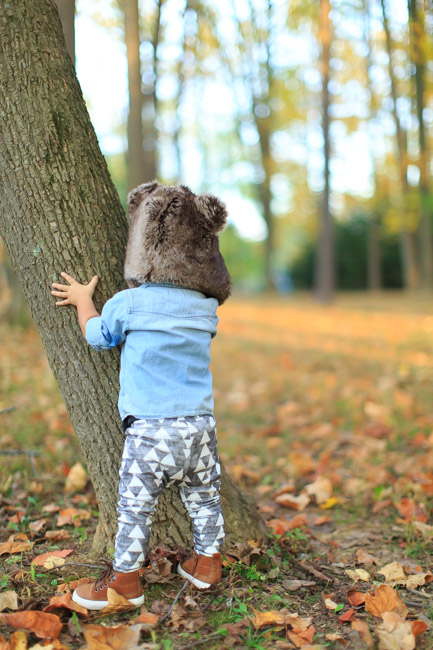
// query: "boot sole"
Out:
[199,584]
[100,604]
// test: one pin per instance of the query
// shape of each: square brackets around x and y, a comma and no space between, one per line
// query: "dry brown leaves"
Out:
[45,626]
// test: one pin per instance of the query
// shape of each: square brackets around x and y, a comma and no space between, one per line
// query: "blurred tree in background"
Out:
[301,115]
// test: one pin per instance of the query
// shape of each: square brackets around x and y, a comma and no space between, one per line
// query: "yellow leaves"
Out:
[358,574]
[76,479]
[116,603]
[321,490]
[396,574]
[301,633]
[262,619]
[385,599]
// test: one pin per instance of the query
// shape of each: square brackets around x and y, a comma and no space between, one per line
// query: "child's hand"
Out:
[75,293]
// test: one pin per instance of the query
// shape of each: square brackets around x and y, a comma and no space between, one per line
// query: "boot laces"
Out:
[106,576]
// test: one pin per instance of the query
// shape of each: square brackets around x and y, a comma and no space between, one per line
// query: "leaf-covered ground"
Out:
[324,414]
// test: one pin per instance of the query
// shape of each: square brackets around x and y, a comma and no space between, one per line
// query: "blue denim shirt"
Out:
[165,332]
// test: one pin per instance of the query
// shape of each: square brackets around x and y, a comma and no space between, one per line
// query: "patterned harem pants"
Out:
[158,453]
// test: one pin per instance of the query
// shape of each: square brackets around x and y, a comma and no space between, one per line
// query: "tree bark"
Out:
[325,259]
[66,9]
[408,243]
[59,211]
[418,57]
[135,157]
[374,271]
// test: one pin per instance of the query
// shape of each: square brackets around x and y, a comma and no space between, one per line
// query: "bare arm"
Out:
[80,295]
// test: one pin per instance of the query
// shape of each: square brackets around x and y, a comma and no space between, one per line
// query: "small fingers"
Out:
[63,302]
[67,277]
[60,294]
[62,287]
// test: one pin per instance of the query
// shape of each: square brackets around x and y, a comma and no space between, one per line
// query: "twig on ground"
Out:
[23,452]
[419,593]
[10,409]
[314,572]
[194,644]
[179,593]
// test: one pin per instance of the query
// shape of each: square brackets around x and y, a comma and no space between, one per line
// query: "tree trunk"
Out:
[408,243]
[135,157]
[59,211]
[325,259]
[66,9]
[374,274]
[418,57]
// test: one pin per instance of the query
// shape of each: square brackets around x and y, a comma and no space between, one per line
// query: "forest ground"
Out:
[324,415]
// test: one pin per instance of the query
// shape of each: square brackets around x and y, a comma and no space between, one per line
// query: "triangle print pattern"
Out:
[158,453]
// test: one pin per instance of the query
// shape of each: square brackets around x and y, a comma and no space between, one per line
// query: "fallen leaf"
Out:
[147,620]
[76,479]
[347,616]
[8,600]
[56,535]
[52,558]
[282,526]
[45,626]
[267,618]
[122,637]
[284,489]
[294,502]
[330,604]
[12,546]
[358,574]
[362,557]
[18,641]
[329,503]
[66,602]
[322,519]
[116,603]
[301,639]
[395,633]
[70,586]
[356,598]
[37,526]
[362,628]
[411,511]
[294,585]
[393,572]
[418,627]
[321,489]
[72,516]
[385,599]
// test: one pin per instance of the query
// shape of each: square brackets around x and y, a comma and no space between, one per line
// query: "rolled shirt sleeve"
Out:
[109,329]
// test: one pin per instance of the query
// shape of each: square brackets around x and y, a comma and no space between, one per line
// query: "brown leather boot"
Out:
[94,594]
[202,571]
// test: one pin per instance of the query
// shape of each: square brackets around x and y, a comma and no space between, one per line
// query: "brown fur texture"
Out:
[172,239]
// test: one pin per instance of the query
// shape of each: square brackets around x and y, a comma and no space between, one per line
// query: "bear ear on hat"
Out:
[213,209]
[136,195]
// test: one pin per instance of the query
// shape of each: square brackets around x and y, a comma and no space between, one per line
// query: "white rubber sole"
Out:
[100,604]
[195,581]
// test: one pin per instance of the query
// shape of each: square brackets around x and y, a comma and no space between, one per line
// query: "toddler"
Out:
[164,322]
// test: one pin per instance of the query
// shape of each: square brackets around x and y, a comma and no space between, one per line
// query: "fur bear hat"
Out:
[172,239]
